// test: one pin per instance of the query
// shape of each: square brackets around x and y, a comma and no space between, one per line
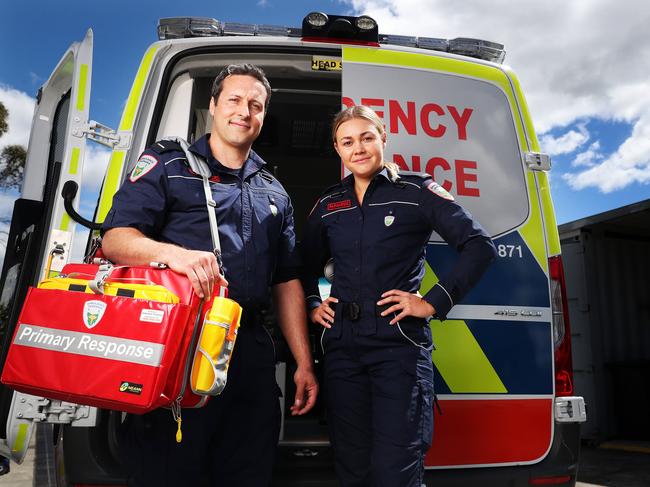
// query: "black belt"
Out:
[252,316]
[353,310]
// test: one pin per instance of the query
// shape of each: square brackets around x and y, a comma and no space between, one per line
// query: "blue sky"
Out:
[584,74]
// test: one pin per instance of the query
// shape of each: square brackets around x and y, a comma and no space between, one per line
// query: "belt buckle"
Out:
[354,310]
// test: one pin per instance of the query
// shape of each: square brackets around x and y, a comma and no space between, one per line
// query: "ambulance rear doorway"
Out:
[296,143]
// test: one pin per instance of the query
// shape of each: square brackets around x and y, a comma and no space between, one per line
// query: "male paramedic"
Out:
[160,215]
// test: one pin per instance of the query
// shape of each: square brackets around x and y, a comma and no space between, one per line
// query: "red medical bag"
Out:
[129,348]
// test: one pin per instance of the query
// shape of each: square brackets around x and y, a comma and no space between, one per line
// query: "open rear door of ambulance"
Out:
[41,232]
[458,119]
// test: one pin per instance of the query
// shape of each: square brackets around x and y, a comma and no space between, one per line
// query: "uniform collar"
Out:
[202,148]
[349,179]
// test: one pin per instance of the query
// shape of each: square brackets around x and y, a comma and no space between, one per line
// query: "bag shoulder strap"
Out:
[200,166]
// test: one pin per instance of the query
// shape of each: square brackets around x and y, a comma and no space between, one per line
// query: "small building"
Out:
[607,266]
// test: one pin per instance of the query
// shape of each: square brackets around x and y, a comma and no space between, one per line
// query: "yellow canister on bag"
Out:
[215,347]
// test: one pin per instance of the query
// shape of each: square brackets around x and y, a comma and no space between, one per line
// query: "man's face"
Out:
[238,115]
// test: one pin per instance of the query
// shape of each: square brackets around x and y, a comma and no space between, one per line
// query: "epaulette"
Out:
[414,178]
[266,175]
[419,175]
[333,190]
[163,146]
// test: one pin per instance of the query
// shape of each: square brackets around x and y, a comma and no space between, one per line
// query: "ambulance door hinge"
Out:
[537,161]
[99,133]
[43,410]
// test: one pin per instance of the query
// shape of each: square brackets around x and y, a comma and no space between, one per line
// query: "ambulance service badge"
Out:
[143,166]
[93,313]
[438,190]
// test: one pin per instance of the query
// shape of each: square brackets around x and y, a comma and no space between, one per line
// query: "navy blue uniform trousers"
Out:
[379,389]
[231,441]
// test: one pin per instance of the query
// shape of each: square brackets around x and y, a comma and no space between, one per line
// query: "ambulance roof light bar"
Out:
[490,51]
[317,26]
[186,27]
[182,27]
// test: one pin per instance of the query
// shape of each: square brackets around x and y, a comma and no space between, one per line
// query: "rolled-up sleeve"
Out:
[141,201]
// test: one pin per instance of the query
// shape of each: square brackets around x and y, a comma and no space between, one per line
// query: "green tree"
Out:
[12,163]
[4,115]
[12,157]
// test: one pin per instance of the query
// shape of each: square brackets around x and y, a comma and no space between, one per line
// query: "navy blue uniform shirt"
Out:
[380,245]
[165,200]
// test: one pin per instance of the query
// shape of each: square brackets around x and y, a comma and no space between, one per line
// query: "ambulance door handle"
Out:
[68,193]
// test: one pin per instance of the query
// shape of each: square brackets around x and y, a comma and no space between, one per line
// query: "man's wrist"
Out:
[305,364]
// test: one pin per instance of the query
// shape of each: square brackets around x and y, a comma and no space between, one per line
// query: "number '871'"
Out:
[509,250]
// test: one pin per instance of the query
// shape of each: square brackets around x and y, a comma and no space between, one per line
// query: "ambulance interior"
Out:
[296,143]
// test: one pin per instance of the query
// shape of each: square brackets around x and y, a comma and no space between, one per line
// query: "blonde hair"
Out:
[368,114]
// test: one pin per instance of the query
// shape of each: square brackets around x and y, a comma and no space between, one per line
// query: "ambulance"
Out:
[508,413]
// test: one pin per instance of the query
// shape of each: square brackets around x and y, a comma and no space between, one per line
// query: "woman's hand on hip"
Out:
[324,314]
[405,304]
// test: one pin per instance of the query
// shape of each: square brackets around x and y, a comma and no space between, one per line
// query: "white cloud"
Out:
[21,109]
[95,162]
[565,143]
[575,60]
[589,157]
[629,164]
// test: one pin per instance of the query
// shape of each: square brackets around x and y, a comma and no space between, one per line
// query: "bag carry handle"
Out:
[97,283]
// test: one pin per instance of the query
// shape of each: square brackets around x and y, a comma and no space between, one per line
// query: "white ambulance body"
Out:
[503,357]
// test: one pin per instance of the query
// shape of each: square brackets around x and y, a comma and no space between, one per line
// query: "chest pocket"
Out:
[396,223]
[269,209]
[343,230]
[187,194]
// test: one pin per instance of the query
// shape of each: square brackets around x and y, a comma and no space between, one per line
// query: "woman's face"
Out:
[361,147]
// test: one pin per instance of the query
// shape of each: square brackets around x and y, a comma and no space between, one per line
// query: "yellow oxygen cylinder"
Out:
[215,347]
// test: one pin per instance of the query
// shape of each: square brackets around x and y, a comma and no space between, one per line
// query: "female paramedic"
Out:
[374,226]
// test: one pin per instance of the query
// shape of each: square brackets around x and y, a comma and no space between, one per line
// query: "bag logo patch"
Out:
[388,220]
[337,205]
[143,166]
[93,313]
[131,388]
[438,190]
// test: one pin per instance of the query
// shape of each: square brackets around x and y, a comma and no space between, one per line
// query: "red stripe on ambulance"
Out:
[480,432]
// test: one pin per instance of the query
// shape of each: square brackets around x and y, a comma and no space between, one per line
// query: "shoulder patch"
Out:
[145,164]
[438,190]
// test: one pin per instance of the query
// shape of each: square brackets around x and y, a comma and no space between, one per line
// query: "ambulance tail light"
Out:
[561,329]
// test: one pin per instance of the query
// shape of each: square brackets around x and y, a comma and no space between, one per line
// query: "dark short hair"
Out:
[245,70]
